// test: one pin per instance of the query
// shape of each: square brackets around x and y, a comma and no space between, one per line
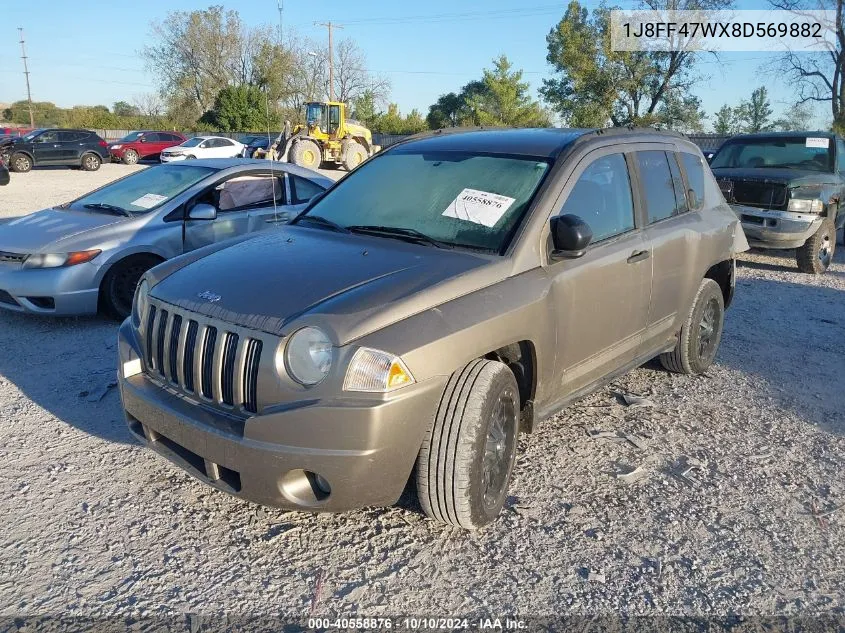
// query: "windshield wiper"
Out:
[317,219]
[409,235]
[108,207]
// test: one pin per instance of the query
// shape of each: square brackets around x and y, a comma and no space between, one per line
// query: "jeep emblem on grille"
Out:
[209,296]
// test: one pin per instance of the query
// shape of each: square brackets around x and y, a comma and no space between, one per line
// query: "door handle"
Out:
[638,256]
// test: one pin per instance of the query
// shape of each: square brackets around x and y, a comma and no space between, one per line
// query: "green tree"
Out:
[682,113]
[364,108]
[239,109]
[392,121]
[796,118]
[595,85]
[726,121]
[44,112]
[755,113]
[505,99]
[124,109]
[451,109]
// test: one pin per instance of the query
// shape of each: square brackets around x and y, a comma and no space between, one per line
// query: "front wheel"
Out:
[130,157]
[355,155]
[700,334]
[118,288]
[816,255]
[20,163]
[464,466]
[306,154]
[91,162]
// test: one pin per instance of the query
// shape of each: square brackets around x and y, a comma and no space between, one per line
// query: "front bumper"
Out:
[363,448]
[172,158]
[70,291]
[768,228]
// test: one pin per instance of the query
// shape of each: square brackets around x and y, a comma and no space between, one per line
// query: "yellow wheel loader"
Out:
[327,138]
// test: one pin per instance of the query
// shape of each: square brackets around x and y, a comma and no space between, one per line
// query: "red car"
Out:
[146,144]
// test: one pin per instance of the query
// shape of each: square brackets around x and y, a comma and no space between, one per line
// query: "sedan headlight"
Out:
[308,356]
[377,372]
[139,304]
[799,205]
[58,260]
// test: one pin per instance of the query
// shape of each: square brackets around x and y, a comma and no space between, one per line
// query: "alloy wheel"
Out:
[498,449]
[707,328]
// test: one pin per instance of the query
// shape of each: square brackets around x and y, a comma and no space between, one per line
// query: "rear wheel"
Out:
[118,287]
[20,163]
[464,466]
[91,162]
[817,253]
[355,155]
[130,157]
[306,154]
[700,334]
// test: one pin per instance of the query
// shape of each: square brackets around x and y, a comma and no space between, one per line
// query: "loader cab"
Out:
[325,117]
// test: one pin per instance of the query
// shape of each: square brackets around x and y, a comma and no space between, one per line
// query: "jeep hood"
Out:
[789,177]
[34,233]
[350,284]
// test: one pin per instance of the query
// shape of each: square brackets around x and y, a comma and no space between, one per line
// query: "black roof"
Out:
[535,142]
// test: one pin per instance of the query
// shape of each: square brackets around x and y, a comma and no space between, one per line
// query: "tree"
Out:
[796,118]
[682,113]
[364,108]
[44,112]
[122,108]
[351,77]
[242,108]
[392,121]
[726,121]
[595,84]
[755,113]
[817,77]
[504,99]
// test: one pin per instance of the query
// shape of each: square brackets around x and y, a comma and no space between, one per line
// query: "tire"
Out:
[355,155]
[306,154]
[20,163]
[700,334]
[476,424]
[190,157]
[130,157]
[91,162]
[117,289]
[817,253]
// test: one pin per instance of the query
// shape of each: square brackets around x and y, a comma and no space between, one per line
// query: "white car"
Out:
[203,147]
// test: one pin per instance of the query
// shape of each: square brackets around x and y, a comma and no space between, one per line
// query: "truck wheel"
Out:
[817,253]
[130,157]
[355,155]
[91,162]
[117,289]
[20,163]
[306,154]
[465,463]
[700,334]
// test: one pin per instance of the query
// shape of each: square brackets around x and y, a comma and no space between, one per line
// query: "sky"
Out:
[425,49]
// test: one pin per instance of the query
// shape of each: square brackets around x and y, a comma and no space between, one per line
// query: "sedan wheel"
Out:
[118,288]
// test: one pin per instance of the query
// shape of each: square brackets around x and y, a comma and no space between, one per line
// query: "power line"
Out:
[331,27]
[460,16]
[26,74]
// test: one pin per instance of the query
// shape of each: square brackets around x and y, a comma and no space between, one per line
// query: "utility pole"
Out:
[330,26]
[26,74]
[281,31]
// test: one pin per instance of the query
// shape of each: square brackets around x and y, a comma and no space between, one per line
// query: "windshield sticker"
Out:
[820,142]
[479,207]
[148,201]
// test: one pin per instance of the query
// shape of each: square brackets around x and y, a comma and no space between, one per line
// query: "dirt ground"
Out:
[738,509]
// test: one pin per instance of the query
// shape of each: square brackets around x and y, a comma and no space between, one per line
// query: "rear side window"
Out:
[302,190]
[602,198]
[658,189]
[694,168]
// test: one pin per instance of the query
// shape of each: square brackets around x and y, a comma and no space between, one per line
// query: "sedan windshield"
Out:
[192,142]
[813,153]
[145,190]
[452,199]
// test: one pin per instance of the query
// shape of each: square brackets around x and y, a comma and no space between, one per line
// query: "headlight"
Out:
[308,356]
[139,305]
[798,205]
[375,371]
[116,146]
[57,260]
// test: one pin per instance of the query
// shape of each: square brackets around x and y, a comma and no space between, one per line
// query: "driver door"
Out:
[47,148]
[244,204]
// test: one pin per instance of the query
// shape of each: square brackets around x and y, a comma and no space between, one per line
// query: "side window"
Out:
[694,169]
[658,190]
[840,155]
[334,118]
[48,137]
[678,185]
[602,197]
[250,191]
[302,189]
[68,137]
[224,142]
[152,137]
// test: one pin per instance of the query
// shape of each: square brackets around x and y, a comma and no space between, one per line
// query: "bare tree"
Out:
[351,77]
[149,104]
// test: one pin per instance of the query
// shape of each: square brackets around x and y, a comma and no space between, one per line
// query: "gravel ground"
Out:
[736,508]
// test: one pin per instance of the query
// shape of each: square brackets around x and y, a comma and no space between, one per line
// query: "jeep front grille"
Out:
[754,193]
[206,360]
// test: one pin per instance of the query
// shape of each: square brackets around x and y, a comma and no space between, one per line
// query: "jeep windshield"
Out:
[143,191]
[799,152]
[453,199]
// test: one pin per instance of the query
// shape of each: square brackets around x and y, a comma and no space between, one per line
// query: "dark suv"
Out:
[51,146]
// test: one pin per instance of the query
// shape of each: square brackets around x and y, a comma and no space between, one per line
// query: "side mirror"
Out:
[571,236]
[202,212]
[143,139]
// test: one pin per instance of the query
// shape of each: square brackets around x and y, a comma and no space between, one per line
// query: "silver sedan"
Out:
[88,255]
